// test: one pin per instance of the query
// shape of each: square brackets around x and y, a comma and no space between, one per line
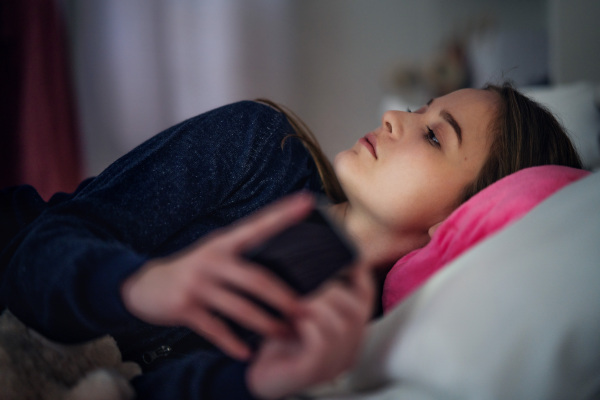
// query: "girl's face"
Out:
[408,174]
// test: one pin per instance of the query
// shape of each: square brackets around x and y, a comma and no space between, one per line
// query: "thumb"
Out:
[258,227]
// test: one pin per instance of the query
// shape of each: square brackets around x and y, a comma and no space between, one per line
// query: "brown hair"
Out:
[526,134]
[331,185]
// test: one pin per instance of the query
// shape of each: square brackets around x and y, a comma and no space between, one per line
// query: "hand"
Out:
[328,334]
[210,276]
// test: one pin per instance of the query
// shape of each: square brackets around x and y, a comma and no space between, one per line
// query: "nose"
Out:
[393,121]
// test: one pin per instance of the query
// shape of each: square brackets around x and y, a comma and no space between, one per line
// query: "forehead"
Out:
[473,109]
[469,99]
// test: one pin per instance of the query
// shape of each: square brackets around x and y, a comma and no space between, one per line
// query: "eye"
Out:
[431,138]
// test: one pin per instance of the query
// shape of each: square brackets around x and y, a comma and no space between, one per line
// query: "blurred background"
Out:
[83,82]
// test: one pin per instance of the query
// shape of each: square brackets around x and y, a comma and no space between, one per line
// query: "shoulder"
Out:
[247,125]
[240,121]
[246,111]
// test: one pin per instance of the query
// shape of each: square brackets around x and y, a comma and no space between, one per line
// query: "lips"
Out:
[370,142]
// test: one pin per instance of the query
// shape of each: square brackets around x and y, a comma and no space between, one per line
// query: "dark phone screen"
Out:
[306,254]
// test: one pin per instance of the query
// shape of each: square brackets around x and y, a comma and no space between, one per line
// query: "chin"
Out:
[343,168]
[339,157]
[345,161]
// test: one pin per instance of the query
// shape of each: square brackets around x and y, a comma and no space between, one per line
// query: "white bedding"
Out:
[516,317]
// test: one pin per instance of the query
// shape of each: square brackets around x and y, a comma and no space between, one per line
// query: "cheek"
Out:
[406,193]
[402,197]
[425,196]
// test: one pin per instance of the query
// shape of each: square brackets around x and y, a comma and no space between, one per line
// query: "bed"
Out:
[512,310]
[503,303]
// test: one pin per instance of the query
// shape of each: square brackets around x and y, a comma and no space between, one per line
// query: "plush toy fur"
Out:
[33,367]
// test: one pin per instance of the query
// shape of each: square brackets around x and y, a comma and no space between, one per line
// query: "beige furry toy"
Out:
[33,367]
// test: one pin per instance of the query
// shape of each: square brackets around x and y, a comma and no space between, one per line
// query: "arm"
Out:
[211,276]
[64,277]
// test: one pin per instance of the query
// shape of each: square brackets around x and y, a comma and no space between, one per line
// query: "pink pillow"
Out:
[498,205]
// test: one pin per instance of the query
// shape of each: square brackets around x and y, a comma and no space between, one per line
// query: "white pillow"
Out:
[576,106]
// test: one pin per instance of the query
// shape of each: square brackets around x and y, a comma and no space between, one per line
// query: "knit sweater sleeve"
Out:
[63,276]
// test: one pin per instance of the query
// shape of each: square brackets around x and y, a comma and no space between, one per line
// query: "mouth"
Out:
[370,142]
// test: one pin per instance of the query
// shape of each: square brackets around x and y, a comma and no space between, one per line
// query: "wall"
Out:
[575,40]
[140,71]
[142,66]
[348,47]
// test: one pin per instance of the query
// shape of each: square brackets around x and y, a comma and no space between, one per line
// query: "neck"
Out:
[379,246]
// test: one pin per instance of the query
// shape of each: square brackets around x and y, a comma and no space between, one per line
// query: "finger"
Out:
[261,284]
[314,344]
[328,320]
[217,332]
[246,313]
[258,227]
[337,319]
[359,278]
[361,282]
[340,305]
[336,311]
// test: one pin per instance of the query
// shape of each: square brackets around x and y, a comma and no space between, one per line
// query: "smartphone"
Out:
[307,253]
[304,255]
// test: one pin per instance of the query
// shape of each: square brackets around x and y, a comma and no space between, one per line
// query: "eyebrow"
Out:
[450,119]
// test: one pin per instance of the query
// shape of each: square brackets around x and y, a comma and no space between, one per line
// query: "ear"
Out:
[434,228]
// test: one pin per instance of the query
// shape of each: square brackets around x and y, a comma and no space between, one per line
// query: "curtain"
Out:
[39,142]
[144,65]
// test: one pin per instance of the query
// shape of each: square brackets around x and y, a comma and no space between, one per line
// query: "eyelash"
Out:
[430,135]
[431,138]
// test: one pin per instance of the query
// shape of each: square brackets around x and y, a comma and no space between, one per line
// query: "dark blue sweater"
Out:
[64,267]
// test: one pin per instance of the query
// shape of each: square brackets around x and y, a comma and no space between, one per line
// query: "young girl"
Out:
[121,255]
